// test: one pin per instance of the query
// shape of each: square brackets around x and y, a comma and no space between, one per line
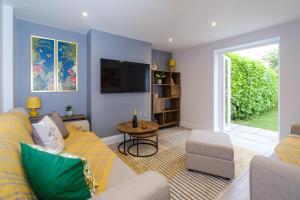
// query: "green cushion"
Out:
[53,176]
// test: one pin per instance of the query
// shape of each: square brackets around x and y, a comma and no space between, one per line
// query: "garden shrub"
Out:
[254,88]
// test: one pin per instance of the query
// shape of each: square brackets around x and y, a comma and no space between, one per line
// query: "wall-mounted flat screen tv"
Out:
[124,77]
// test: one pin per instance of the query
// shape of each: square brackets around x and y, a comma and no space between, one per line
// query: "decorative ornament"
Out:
[172,65]
[154,66]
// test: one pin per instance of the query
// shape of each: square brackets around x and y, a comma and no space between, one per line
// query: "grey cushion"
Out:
[59,123]
[211,144]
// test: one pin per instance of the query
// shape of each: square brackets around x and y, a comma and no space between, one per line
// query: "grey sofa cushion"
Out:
[124,183]
[147,186]
[120,172]
[211,144]
[59,123]
[272,179]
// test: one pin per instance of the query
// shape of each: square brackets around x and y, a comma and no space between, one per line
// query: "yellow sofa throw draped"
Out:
[100,157]
[288,150]
[13,181]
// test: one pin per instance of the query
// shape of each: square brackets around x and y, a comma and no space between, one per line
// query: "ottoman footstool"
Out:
[210,152]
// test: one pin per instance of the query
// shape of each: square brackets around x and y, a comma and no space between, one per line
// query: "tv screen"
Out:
[124,77]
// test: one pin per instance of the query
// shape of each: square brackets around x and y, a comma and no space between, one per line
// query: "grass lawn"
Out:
[267,120]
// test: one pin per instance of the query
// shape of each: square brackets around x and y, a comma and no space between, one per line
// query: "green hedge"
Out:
[254,88]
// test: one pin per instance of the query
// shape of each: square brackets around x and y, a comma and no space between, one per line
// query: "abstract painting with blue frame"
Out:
[42,64]
[67,78]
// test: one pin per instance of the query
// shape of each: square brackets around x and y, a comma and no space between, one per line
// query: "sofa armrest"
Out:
[273,179]
[147,186]
[295,129]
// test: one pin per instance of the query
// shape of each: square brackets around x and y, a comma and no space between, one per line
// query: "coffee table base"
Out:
[136,141]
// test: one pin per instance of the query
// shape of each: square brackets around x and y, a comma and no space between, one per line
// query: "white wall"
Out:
[197,67]
[7,35]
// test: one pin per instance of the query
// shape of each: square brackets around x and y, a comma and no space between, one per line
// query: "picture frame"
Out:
[67,66]
[43,70]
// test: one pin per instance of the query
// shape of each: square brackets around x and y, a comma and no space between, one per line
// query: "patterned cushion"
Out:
[13,181]
[61,175]
[46,133]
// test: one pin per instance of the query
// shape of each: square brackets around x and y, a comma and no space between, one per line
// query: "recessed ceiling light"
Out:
[213,24]
[170,40]
[85,14]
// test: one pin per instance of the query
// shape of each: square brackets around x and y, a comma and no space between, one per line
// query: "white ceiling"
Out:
[188,22]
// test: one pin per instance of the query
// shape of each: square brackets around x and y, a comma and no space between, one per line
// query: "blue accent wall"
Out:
[161,58]
[107,110]
[51,101]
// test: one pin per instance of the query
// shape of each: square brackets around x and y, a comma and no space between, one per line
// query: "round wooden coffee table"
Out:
[138,136]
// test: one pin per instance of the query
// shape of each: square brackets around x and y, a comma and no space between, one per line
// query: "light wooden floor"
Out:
[240,191]
[258,140]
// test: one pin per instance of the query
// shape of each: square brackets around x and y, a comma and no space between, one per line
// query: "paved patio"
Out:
[259,140]
[256,139]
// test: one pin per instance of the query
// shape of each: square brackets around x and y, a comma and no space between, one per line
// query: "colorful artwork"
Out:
[66,66]
[42,64]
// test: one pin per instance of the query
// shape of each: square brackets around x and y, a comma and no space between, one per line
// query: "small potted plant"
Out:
[159,76]
[69,110]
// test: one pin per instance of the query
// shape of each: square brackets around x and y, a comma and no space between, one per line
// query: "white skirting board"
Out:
[113,139]
[193,126]
[119,138]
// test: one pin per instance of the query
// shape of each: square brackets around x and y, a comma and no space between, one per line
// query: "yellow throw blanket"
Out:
[100,157]
[288,150]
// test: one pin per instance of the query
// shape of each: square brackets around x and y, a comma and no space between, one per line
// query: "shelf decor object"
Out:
[160,75]
[154,66]
[166,98]
[172,65]
[33,103]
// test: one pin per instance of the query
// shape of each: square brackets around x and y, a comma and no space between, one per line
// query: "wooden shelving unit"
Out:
[166,99]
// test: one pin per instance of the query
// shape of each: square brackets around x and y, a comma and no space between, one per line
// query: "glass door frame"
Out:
[223,97]
[226,92]
[218,76]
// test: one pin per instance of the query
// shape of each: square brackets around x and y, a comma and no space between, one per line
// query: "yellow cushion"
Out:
[89,146]
[13,181]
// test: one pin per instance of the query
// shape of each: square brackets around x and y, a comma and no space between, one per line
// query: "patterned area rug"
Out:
[169,161]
